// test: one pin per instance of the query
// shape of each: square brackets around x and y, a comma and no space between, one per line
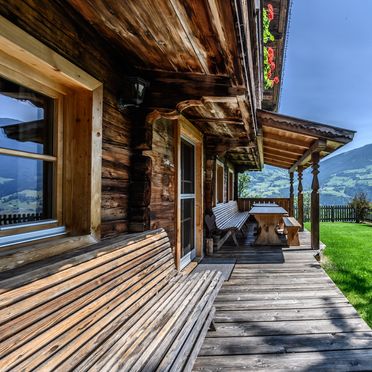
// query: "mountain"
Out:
[340,177]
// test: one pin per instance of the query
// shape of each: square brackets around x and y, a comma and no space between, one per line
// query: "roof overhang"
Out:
[288,142]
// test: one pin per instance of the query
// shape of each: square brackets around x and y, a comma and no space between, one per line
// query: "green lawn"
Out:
[349,262]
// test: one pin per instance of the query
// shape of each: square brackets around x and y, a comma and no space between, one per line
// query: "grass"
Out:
[349,262]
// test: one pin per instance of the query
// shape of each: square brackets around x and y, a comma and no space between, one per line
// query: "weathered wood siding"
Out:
[63,30]
[163,179]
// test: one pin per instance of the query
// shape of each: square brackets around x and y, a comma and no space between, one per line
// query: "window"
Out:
[50,145]
[230,185]
[220,183]
[27,155]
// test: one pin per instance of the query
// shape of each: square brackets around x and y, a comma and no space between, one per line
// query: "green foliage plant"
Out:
[243,182]
[361,205]
[269,54]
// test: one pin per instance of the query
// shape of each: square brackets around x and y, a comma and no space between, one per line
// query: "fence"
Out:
[331,213]
[369,216]
[10,219]
[327,213]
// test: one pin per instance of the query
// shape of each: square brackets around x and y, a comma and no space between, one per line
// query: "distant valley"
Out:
[341,177]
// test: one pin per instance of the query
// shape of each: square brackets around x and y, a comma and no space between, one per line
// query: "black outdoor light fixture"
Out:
[134,93]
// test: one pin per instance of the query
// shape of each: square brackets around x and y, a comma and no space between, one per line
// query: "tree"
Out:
[361,205]
[243,182]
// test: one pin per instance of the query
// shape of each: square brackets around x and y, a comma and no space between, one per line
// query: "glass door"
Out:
[187,188]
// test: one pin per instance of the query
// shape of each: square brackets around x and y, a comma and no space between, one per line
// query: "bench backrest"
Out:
[81,291]
[225,211]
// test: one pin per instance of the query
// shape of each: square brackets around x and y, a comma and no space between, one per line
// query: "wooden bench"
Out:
[291,228]
[226,220]
[117,305]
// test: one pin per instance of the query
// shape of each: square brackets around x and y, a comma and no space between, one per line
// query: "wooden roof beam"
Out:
[167,91]
[232,121]
[282,157]
[281,153]
[220,145]
[287,141]
[319,145]
[300,126]
[286,163]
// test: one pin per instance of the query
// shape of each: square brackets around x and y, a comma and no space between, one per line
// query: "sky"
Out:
[328,68]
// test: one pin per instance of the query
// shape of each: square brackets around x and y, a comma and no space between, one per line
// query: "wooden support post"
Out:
[315,202]
[236,190]
[209,185]
[291,195]
[300,199]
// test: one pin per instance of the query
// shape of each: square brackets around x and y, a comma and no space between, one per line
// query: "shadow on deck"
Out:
[280,311]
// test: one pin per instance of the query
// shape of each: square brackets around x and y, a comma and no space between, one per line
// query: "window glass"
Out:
[187,167]
[187,225]
[26,176]
[26,119]
[220,181]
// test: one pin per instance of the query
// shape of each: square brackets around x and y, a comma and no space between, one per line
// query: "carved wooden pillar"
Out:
[209,185]
[291,195]
[315,202]
[300,199]
[141,172]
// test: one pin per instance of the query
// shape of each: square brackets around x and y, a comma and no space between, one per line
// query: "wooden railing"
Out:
[331,213]
[369,215]
[10,219]
[245,204]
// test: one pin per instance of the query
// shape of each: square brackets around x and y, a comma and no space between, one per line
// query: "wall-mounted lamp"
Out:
[134,93]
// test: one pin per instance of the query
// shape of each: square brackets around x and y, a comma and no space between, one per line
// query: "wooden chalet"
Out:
[143,115]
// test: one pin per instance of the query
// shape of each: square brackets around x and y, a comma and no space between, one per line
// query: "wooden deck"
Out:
[281,311]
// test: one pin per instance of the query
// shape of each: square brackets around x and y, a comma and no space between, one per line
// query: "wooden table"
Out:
[265,205]
[268,218]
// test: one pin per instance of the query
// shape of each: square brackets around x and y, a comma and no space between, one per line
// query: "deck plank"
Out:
[281,311]
[345,360]
[287,343]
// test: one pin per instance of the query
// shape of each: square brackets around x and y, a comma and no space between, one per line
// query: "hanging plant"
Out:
[269,55]
[268,16]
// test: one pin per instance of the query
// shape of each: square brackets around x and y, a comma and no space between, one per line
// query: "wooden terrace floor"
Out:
[281,311]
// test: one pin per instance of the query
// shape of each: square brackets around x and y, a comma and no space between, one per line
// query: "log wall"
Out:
[163,178]
[63,30]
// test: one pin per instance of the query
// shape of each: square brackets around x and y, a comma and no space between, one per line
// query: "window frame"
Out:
[230,184]
[219,164]
[56,159]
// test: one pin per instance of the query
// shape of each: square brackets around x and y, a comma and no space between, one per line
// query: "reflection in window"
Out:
[25,186]
[25,119]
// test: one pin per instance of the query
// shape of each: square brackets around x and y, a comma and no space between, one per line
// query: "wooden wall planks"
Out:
[163,178]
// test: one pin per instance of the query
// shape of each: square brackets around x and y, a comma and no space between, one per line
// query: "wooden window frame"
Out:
[56,159]
[78,100]
[220,164]
[186,130]
[230,187]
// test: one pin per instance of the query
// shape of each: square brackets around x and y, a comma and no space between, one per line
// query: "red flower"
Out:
[270,8]
[270,52]
[270,15]
[268,74]
[272,66]
[276,80]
